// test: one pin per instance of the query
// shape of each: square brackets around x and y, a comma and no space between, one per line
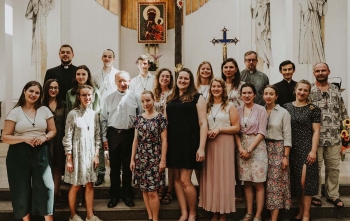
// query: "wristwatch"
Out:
[286,156]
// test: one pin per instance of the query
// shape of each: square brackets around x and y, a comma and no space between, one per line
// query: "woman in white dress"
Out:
[81,143]
[219,165]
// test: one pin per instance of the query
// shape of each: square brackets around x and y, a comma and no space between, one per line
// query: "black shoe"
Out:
[129,202]
[100,179]
[113,203]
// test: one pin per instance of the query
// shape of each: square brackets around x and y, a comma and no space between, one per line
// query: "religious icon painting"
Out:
[152,22]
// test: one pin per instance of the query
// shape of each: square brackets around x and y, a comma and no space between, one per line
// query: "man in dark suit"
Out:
[287,85]
[64,73]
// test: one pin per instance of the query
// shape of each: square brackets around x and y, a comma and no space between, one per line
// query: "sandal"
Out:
[248,217]
[335,202]
[238,200]
[316,201]
[160,195]
[257,219]
[168,197]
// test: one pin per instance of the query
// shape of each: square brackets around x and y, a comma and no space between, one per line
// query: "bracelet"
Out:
[286,156]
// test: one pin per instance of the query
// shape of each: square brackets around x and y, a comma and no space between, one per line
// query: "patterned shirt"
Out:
[333,112]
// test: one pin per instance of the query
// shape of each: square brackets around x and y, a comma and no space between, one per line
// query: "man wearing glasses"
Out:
[328,98]
[251,75]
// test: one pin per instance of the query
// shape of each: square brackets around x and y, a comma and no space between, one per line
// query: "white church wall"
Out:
[201,26]
[91,30]
[23,70]
[130,50]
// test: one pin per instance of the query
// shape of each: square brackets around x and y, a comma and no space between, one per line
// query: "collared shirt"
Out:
[286,91]
[333,111]
[260,80]
[119,111]
[105,82]
[279,126]
[139,84]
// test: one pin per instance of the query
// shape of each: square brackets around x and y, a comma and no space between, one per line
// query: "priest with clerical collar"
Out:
[64,73]
[251,75]
[287,85]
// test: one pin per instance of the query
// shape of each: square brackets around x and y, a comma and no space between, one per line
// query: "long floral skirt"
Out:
[278,194]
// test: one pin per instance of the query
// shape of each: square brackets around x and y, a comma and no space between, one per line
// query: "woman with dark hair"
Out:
[305,121]
[187,133]
[83,76]
[219,165]
[231,75]
[27,128]
[57,108]
[252,160]
[82,142]
[163,84]
[278,141]
[204,76]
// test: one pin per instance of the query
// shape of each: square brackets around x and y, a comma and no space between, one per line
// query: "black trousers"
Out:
[120,147]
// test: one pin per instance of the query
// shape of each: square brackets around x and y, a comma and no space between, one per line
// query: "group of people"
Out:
[229,130]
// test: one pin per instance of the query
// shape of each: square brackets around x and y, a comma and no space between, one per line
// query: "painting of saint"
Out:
[37,11]
[152,22]
[311,48]
[261,15]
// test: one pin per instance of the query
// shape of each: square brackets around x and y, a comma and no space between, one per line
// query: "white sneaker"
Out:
[76,217]
[93,218]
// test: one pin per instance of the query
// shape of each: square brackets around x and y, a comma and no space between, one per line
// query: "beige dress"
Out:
[217,180]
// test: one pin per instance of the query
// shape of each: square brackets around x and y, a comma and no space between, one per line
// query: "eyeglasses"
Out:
[54,88]
[250,60]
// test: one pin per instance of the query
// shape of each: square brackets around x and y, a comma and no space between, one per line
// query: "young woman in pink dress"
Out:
[217,180]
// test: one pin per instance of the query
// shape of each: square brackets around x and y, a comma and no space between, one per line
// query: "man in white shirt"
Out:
[143,81]
[118,113]
[104,80]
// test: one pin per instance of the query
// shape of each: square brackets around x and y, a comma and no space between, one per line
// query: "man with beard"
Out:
[286,87]
[251,75]
[104,80]
[328,97]
[64,73]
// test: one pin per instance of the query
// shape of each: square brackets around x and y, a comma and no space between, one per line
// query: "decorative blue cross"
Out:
[224,41]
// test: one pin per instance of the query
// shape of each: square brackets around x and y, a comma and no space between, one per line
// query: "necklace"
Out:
[144,86]
[32,123]
[206,88]
[88,124]
[246,123]
[211,112]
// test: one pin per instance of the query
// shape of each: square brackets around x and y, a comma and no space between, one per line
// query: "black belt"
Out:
[121,131]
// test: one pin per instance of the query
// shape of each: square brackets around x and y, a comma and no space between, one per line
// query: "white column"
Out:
[289,32]
[6,60]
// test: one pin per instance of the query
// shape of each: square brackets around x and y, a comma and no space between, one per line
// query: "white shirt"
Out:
[119,111]
[139,84]
[105,82]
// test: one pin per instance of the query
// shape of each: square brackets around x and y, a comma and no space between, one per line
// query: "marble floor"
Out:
[344,170]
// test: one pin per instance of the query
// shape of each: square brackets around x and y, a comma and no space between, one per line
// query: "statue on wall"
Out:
[311,48]
[37,11]
[261,15]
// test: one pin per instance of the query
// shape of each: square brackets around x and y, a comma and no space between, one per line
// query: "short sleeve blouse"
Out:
[24,124]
